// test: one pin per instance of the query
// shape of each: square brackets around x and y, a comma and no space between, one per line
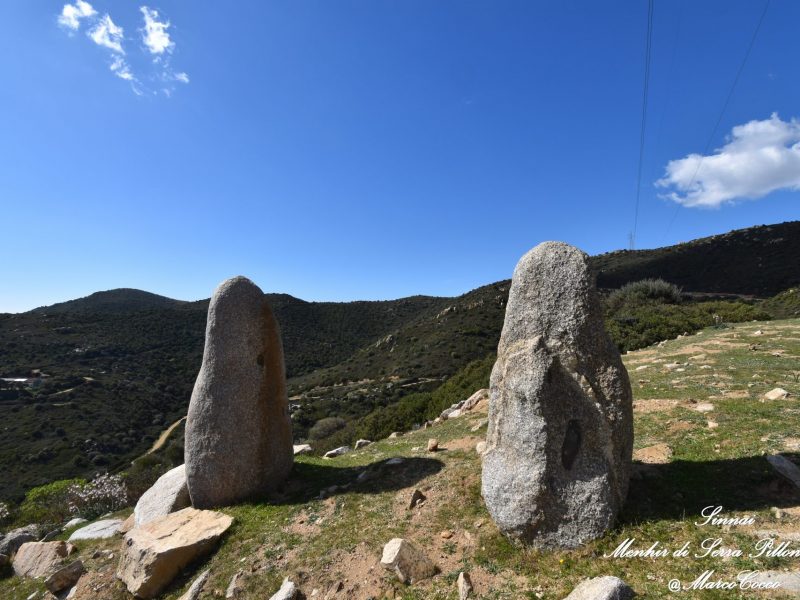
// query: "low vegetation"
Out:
[711,416]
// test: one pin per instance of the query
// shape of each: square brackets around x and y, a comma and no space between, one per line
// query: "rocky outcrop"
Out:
[168,494]
[602,588]
[407,561]
[472,401]
[238,432]
[560,436]
[153,554]
[99,530]
[40,559]
[302,449]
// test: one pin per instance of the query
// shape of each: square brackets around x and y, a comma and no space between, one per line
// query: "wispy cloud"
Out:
[106,33]
[759,157]
[71,14]
[154,33]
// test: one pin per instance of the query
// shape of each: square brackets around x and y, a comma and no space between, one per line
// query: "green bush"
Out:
[48,504]
[635,326]
[413,409]
[326,427]
[637,292]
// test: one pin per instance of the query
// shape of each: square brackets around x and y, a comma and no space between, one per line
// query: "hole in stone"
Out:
[260,360]
[572,444]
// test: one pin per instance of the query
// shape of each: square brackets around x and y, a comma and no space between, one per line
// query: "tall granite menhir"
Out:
[560,437]
[238,431]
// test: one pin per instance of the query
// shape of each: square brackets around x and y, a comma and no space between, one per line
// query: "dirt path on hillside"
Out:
[162,439]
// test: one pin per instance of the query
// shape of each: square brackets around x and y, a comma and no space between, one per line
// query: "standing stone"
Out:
[238,432]
[560,436]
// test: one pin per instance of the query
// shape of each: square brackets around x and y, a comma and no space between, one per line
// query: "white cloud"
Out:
[106,33]
[182,77]
[72,14]
[121,69]
[154,34]
[759,157]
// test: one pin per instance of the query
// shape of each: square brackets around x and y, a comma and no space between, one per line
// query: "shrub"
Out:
[5,513]
[106,493]
[48,504]
[637,292]
[326,427]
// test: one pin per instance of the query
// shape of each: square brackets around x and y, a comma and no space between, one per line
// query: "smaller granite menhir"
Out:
[560,436]
[238,432]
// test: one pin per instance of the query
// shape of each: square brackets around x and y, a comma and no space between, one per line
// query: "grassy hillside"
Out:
[120,365]
[701,435]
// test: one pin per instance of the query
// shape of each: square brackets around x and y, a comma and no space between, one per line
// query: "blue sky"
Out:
[369,149]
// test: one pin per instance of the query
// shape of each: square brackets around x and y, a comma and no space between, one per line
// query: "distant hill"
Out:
[758,261]
[121,364]
[119,300]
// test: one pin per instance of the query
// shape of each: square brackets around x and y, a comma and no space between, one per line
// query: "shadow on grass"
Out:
[683,488]
[308,480]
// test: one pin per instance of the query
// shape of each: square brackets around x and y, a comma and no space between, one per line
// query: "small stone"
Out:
[287,591]
[395,434]
[407,561]
[704,407]
[480,425]
[446,535]
[337,452]
[417,498]
[602,588]
[464,584]
[777,513]
[236,586]
[433,445]
[362,443]
[302,449]
[480,447]
[776,394]
[786,468]
[194,591]
[65,577]
[472,401]
[712,424]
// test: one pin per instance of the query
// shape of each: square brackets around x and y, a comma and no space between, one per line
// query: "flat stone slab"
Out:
[99,530]
[153,554]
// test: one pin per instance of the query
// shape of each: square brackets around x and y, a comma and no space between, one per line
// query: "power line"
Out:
[647,55]
[722,112]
